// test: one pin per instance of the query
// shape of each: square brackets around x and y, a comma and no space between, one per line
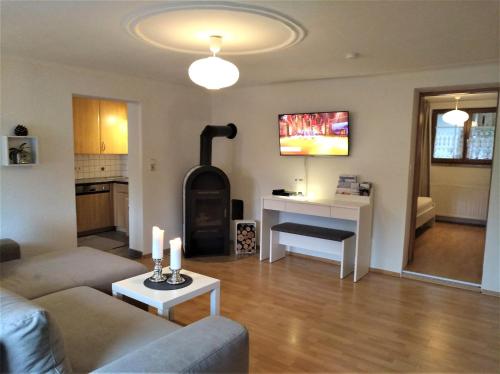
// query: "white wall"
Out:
[38,203]
[135,171]
[461,191]
[381,112]
[491,268]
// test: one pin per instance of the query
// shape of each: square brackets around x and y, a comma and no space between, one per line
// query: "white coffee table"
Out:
[165,300]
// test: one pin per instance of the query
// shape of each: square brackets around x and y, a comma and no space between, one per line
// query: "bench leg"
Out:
[277,251]
[348,256]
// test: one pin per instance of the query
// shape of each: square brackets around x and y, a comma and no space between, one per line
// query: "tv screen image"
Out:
[314,134]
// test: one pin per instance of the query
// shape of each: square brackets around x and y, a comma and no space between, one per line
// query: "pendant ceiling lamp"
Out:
[456,117]
[214,72]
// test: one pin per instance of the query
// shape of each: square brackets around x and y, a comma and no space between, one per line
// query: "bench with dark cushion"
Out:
[313,231]
[345,252]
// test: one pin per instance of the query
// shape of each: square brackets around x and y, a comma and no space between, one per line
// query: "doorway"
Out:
[101,133]
[453,167]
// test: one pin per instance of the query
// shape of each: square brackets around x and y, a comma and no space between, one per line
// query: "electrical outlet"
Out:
[300,185]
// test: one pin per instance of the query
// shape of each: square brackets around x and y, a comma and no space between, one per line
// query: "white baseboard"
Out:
[441,280]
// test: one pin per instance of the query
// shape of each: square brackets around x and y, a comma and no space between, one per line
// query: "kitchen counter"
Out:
[123,180]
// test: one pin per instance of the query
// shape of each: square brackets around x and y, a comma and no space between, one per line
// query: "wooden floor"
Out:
[451,251]
[302,318]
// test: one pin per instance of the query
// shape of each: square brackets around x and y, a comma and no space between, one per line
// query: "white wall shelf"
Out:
[15,141]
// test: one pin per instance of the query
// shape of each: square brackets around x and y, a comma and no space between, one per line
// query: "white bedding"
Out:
[423,204]
[425,211]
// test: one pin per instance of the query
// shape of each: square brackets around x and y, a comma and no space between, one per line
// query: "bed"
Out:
[425,211]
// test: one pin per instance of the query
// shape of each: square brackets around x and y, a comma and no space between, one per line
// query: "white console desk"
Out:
[352,213]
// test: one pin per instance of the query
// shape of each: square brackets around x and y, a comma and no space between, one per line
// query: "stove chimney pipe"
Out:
[209,132]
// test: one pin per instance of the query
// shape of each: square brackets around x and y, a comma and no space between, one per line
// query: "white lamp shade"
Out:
[456,117]
[213,73]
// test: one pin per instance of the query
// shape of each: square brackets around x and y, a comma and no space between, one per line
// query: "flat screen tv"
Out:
[314,134]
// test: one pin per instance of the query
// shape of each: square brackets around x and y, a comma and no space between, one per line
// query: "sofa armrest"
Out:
[9,250]
[213,344]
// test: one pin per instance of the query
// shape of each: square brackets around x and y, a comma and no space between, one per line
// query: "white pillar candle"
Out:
[175,254]
[157,252]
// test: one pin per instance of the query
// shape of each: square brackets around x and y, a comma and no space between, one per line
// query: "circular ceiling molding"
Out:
[186,27]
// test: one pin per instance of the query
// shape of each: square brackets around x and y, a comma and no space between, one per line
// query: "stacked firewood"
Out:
[245,238]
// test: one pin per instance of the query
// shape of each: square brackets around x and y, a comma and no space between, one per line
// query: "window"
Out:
[471,143]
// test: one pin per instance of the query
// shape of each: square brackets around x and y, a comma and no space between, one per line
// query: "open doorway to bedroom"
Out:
[453,165]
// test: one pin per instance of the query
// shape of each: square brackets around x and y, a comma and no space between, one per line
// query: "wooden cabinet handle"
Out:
[103,146]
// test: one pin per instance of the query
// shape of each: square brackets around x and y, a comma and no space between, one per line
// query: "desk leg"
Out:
[363,243]
[268,219]
[215,301]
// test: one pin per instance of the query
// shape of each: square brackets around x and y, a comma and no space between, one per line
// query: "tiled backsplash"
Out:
[95,166]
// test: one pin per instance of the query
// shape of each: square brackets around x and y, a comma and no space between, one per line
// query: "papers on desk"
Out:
[349,185]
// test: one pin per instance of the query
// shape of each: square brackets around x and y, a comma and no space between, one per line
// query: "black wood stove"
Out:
[207,195]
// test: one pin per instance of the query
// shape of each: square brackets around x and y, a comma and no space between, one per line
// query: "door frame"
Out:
[418,119]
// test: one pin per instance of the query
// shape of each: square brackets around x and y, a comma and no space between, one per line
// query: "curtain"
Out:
[425,150]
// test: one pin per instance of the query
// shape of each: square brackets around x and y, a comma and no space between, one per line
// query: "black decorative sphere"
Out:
[20,130]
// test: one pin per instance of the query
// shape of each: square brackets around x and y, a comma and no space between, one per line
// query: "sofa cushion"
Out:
[59,270]
[98,328]
[211,345]
[30,340]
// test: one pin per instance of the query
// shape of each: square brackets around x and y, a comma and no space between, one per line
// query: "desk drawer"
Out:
[344,213]
[310,209]
[274,204]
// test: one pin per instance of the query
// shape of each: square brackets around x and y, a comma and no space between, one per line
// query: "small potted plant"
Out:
[20,154]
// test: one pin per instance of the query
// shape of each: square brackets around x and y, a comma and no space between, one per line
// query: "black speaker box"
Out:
[236,209]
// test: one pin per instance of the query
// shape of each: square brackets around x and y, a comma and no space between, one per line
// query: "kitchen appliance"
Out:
[85,189]
[94,208]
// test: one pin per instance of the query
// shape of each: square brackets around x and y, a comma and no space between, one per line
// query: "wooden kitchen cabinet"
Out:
[94,211]
[114,127]
[86,125]
[100,126]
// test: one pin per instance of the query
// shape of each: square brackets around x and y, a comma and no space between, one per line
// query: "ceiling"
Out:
[187,27]
[389,36]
